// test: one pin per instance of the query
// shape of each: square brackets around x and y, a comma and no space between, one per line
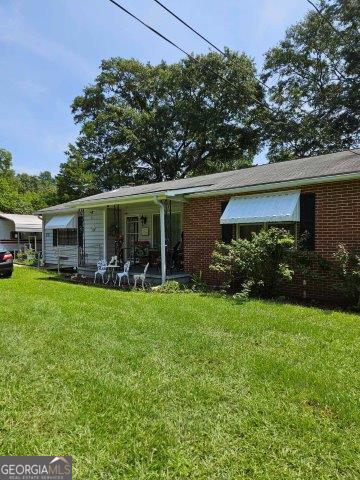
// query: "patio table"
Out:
[111,275]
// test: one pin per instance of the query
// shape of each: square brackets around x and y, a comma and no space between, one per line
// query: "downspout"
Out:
[162,239]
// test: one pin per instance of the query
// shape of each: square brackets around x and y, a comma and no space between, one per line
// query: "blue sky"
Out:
[51,49]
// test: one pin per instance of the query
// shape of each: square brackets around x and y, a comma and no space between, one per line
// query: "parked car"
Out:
[6,262]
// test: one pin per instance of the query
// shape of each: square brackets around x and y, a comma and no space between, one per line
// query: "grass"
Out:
[181,386]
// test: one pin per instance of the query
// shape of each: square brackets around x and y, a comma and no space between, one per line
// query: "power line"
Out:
[319,12]
[335,30]
[191,57]
[190,27]
[202,37]
[325,18]
[149,27]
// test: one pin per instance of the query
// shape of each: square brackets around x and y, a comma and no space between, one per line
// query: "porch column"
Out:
[43,239]
[162,239]
[105,233]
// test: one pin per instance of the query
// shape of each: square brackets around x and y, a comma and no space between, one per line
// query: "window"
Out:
[307,220]
[228,230]
[290,227]
[64,237]
[245,230]
[173,230]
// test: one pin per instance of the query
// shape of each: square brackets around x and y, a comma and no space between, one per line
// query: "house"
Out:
[319,195]
[20,231]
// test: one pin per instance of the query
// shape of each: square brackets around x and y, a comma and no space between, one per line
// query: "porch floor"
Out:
[153,275]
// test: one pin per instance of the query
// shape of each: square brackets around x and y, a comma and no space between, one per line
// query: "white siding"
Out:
[6,226]
[51,253]
[94,235]
[141,209]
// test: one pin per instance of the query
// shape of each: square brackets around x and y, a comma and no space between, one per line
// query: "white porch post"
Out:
[162,239]
[43,239]
[105,233]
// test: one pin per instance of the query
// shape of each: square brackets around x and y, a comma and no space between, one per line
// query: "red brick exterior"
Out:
[337,220]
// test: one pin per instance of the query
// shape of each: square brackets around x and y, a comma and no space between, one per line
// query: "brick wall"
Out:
[337,221]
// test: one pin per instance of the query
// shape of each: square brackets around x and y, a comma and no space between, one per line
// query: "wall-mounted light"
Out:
[143,220]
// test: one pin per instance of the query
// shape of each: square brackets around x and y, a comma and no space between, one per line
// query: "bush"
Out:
[347,268]
[26,257]
[168,287]
[256,266]
[197,284]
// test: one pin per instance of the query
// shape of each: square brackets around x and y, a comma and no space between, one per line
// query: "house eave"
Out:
[277,185]
[196,192]
[131,199]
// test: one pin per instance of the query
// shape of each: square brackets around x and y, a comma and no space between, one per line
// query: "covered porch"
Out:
[140,232]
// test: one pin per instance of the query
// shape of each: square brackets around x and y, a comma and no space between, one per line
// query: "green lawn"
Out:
[148,386]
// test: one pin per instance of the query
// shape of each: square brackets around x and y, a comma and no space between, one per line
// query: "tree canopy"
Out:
[24,193]
[314,75]
[144,123]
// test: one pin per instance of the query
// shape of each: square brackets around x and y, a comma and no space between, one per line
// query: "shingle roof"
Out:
[339,163]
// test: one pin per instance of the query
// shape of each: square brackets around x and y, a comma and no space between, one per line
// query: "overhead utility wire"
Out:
[190,27]
[217,48]
[166,39]
[221,51]
[319,12]
[201,36]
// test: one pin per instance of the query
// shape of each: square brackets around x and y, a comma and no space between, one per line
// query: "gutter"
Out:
[203,191]
[278,185]
[74,207]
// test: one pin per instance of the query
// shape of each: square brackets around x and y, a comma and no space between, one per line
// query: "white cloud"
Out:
[14,30]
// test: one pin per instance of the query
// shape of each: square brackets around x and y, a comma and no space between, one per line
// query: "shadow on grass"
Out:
[91,284]
[326,309]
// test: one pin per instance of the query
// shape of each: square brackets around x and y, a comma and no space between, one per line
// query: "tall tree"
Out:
[314,75]
[23,193]
[5,162]
[75,179]
[143,123]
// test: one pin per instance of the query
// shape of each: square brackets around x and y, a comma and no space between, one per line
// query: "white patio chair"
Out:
[141,276]
[101,270]
[113,261]
[125,273]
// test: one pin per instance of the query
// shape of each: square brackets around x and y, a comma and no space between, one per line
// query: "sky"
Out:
[51,49]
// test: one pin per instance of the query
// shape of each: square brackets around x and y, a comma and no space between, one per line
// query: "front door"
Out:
[132,237]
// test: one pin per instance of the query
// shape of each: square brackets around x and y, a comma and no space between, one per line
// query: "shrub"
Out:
[256,266]
[168,287]
[197,284]
[347,268]
[311,267]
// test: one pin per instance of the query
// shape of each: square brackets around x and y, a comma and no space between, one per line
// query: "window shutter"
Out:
[226,230]
[307,219]
[55,238]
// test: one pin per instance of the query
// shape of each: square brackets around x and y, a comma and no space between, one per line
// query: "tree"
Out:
[143,123]
[314,78]
[5,162]
[24,193]
[75,179]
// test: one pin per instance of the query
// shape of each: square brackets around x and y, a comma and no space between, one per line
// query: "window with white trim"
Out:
[246,230]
